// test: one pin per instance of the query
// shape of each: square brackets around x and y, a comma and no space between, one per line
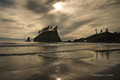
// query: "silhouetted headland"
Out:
[105,37]
[48,34]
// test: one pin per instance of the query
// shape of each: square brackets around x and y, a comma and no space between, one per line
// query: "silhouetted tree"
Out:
[55,29]
[42,30]
[50,27]
[106,30]
[101,31]
[47,28]
[96,31]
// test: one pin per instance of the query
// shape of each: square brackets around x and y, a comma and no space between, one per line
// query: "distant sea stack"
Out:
[48,34]
[28,39]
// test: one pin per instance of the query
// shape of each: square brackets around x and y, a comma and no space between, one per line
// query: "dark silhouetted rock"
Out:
[48,35]
[28,39]
[80,40]
[105,37]
[68,41]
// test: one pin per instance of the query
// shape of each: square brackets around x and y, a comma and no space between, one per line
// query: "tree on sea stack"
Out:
[101,31]
[55,29]
[106,30]
[96,31]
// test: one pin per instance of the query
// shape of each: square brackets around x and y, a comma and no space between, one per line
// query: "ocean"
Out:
[21,60]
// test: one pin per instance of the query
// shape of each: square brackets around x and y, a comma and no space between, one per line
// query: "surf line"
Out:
[106,50]
[22,54]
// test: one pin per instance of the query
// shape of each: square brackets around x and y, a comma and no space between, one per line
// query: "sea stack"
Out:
[48,34]
[28,39]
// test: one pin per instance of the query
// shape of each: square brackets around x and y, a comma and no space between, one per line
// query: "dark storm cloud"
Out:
[115,4]
[38,7]
[7,20]
[6,3]
[52,1]
[75,26]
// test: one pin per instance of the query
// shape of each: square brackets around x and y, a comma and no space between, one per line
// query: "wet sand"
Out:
[100,66]
[60,63]
[112,73]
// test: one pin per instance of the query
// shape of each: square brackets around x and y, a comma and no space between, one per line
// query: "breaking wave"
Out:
[62,48]
[65,51]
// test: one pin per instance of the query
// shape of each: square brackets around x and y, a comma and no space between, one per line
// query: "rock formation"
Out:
[48,34]
[105,37]
[28,39]
[79,40]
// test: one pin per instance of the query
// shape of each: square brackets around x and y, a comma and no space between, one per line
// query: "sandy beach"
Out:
[111,73]
[60,61]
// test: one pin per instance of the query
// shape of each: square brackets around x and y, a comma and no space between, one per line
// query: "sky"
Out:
[75,18]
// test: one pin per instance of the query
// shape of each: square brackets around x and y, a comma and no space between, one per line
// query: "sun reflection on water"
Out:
[59,79]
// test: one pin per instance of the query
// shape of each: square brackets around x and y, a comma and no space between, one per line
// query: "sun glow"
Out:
[57,6]
[58,78]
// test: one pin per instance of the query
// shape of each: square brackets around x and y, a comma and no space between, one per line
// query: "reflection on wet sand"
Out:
[53,67]
[68,69]
[56,68]
[56,64]
[102,54]
[50,48]
[51,71]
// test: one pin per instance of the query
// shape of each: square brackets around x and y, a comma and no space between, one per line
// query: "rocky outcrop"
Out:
[28,39]
[80,40]
[48,36]
[105,37]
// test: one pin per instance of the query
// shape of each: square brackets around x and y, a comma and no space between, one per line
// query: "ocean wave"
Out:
[64,51]
[17,45]
[7,43]
[106,50]
[32,45]
[20,54]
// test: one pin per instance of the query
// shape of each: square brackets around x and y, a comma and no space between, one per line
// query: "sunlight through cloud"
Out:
[58,78]
[57,6]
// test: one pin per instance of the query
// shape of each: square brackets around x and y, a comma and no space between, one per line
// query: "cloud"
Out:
[108,3]
[30,25]
[75,26]
[95,25]
[7,20]
[21,18]
[41,6]
[6,3]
